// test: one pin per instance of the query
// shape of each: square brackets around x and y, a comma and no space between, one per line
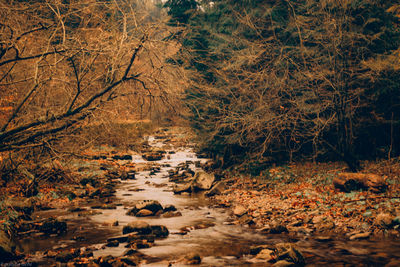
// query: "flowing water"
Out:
[221,244]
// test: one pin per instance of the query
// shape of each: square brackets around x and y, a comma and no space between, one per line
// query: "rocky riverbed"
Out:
[162,206]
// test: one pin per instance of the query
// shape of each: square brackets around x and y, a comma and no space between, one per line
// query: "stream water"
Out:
[221,244]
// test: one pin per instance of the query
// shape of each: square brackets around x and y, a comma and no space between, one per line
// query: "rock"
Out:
[106,261]
[246,219]
[203,180]
[131,175]
[51,254]
[108,207]
[217,189]
[192,259]
[113,243]
[265,254]
[278,229]
[153,156]
[112,222]
[274,228]
[68,255]
[360,236]
[144,213]
[384,220]
[178,189]
[141,227]
[76,209]
[169,208]
[239,210]
[152,205]
[7,248]
[130,261]
[290,253]
[117,174]
[139,244]
[348,182]
[159,231]
[254,250]
[122,157]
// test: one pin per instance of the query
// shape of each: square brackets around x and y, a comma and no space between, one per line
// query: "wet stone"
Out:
[141,227]
[239,210]
[203,181]
[265,254]
[144,213]
[169,208]
[254,250]
[113,243]
[130,261]
[122,157]
[152,205]
[159,231]
[179,189]
[66,256]
[192,259]
[153,156]
[217,189]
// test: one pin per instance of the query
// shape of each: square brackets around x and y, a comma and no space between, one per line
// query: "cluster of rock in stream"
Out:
[94,193]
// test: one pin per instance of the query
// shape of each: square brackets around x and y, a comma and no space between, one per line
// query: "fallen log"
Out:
[348,182]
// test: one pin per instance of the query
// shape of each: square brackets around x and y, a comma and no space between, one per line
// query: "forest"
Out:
[285,114]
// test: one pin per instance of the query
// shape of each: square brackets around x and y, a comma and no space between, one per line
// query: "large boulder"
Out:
[217,189]
[348,182]
[181,188]
[203,181]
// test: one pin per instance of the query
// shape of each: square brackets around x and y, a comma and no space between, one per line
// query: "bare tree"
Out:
[60,61]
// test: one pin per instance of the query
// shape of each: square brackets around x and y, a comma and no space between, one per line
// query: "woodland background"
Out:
[259,82]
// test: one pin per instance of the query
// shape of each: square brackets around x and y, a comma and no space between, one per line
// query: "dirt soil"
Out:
[301,199]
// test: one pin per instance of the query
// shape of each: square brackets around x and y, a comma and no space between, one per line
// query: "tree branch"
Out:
[18,108]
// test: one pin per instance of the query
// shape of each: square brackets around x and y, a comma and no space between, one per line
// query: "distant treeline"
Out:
[286,80]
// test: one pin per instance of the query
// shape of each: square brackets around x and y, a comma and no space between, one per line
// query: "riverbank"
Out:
[300,202]
[158,207]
